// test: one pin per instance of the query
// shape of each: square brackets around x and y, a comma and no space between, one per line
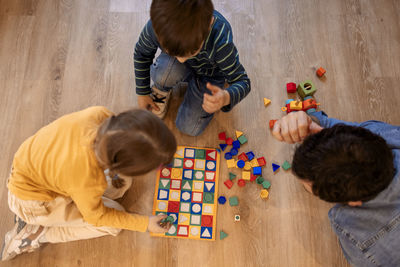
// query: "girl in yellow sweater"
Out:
[58,187]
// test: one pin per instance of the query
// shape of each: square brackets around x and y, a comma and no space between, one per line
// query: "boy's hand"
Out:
[145,102]
[218,99]
[154,224]
[294,127]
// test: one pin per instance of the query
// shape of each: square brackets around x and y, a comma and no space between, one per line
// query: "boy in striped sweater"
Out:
[197,48]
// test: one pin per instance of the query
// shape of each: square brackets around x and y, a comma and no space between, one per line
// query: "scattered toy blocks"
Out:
[254,163]
[309,102]
[291,88]
[275,167]
[240,163]
[271,124]
[321,71]
[236,144]
[222,200]
[261,161]
[241,183]
[246,175]
[264,194]
[242,139]
[259,180]
[234,152]
[250,155]
[237,218]
[243,157]
[222,235]
[296,105]
[286,165]
[257,170]
[222,136]
[228,156]
[253,177]
[266,101]
[238,133]
[229,141]
[306,88]
[232,176]
[247,166]
[223,146]
[266,184]
[228,184]
[230,163]
[233,201]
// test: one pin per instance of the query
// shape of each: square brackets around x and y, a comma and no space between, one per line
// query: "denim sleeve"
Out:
[145,50]
[390,133]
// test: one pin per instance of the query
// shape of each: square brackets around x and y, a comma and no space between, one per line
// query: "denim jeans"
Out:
[166,73]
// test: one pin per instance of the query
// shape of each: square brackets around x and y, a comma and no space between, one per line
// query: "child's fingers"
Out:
[294,131]
[285,133]
[214,89]
[210,98]
[276,131]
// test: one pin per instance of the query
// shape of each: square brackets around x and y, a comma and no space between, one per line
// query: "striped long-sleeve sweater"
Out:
[218,59]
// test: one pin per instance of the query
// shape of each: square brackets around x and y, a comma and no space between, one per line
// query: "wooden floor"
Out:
[60,56]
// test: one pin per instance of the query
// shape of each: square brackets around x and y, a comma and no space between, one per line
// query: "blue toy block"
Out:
[250,155]
[234,152]
[288,101]
[240,163]
[311,110]
[257,170]
[236,144]
[223,146]
[222,200]
[275,167]
[228,156]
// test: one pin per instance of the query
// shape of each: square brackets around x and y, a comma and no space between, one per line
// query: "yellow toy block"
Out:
[266,101]
[296,105]
[247,166]
[264,194]
[246,175]
[238,134]
[231,163]
[254,163]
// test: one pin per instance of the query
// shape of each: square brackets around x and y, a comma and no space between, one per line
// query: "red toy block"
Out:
[241,182]
[291,88]
[321,71]
[229,141]
[222,136]
[228,183]
[243,157]
[309,103]
[261,161]
[288,110]
[271,124]
[252,177]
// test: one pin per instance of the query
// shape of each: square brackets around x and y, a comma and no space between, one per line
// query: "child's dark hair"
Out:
[345,163]
[181,25]
[133,143]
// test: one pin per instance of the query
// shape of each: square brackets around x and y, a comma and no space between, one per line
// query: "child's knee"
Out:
[167,72]
[189,129]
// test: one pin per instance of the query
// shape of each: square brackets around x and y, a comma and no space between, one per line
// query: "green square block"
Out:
[232,176]
[266,184]
[208,197]
[259,180]
[168,219]
[194,223]
[306,88]
[195,175]
[233,201]
[161,186]
[242,139]
[286,165]
[176,230]
[200,154]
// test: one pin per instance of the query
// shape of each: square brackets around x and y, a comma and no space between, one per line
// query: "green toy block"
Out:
[233,201]
[200,154]
[242,139]
[208,197]
[232,176]
[168,219]
[306,88]
[266,184]
[222,235]
[286,165]
[259,180]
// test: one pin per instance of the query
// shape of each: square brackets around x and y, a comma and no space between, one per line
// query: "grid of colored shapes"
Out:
[187,190]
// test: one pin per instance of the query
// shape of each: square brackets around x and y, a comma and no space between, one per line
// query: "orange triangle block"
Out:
[238,134]
[266,101]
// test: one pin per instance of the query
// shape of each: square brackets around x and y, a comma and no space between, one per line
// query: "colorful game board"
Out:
[187,189]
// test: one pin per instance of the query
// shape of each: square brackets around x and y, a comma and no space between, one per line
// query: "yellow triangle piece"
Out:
[266,101]
[238,134]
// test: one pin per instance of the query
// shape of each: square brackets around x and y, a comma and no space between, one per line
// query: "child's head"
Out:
[344,164]
[181,26]
[133,143]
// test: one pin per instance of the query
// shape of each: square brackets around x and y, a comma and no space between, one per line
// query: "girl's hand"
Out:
[154,224]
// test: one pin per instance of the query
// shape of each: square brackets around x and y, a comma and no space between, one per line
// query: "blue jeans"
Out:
[166,73]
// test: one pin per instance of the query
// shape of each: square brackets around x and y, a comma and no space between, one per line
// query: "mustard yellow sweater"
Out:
[59,160]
